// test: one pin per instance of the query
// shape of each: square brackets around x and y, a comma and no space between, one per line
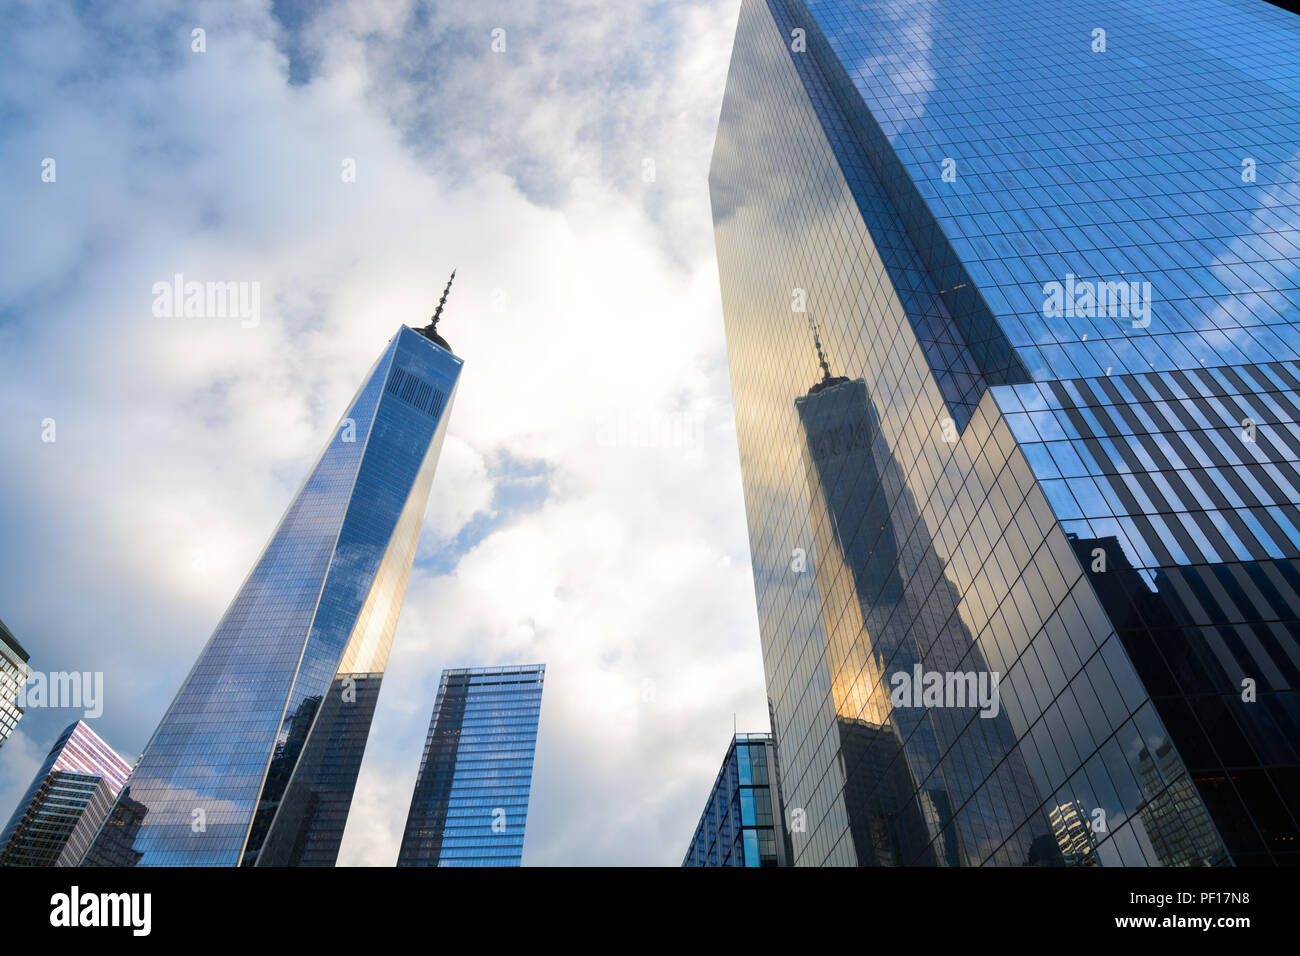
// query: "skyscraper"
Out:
[470,803]
[13,675]
[1011,305]
[743,823]
[256,759]
[66,803]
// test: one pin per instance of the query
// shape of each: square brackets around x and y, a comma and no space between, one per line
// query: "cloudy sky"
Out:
[587,510]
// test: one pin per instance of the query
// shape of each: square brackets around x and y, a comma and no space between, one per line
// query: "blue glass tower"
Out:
[256,759]
[1012,304]
[743,823]
[470,804]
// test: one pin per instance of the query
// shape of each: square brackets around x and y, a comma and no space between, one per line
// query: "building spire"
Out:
[827,379]
[821,356]
[430,331]
[437,313]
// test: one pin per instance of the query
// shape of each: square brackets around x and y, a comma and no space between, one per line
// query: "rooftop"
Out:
[7,637]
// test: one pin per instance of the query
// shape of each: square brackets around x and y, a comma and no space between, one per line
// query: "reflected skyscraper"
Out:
[1073,835]
[470,805]
[14,672]
[899,799]
[922,183]
[256,759]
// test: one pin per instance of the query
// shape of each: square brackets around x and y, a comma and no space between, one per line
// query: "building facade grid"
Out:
[470,804]
[961,454]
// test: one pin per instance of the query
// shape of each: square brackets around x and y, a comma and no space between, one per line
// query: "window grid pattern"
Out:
[14,672]
[1123,165]
[1186,521]
[870,464]
[470,805]
[71,791]
[742,821]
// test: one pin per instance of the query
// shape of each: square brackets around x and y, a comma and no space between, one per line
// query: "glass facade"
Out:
[1011,304]
[470,804]
[742,824]
[66,803]
[256,759]
[13,675]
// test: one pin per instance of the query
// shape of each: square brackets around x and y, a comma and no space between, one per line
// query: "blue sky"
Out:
[586,309]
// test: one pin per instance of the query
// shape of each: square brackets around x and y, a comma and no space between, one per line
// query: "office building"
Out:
[470,804]
[743,823]
[14,672]
[66,803]
[1011,293]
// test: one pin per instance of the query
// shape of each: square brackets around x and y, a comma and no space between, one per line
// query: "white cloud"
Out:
[584,295]
[463,490]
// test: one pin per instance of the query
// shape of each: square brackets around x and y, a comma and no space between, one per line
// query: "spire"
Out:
[821,356]
[827,379]
[437,313]
[430,331]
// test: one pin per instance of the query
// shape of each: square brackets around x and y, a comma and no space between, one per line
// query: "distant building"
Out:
[68,800]
[471,798]
[13,675]
[743,822]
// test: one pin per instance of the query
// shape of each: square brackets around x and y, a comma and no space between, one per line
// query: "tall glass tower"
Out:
[256,759]
[470,803]
[1012,296]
